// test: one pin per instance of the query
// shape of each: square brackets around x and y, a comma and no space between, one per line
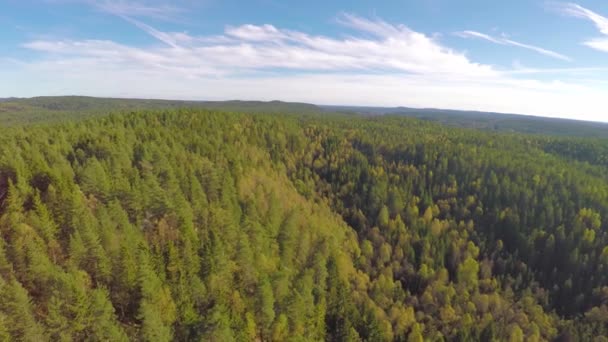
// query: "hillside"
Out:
[51,109]
[497,122]
[191,224]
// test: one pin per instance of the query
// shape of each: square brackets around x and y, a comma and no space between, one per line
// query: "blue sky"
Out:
[534,57]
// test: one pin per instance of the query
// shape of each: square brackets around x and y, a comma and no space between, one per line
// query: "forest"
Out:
[47,109]
[207,225]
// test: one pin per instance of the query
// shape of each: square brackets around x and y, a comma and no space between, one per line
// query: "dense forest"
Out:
[200,225]
[53,109]
[45,109]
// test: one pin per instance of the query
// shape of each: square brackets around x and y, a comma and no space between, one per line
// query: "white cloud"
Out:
[506,41]
[579,11]
[251,47]
[376,64]
[598,44]
[600,22]
[264,33]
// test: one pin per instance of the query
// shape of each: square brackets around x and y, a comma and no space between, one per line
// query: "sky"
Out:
[537,57]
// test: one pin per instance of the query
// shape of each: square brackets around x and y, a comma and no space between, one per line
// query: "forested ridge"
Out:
[196,225]
[53,109]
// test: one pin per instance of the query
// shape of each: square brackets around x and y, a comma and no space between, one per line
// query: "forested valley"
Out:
[202,225]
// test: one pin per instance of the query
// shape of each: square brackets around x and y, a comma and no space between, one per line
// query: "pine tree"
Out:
[18,308]
[157,310]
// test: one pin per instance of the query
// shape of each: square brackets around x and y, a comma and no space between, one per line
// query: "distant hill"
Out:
[489,120]
[44,109]
[80,103]
[14,111]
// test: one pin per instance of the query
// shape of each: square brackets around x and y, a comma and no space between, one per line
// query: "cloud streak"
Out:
[150,9]
[254,48]
[506,41]
[579,11]
[154,9]
[601,22]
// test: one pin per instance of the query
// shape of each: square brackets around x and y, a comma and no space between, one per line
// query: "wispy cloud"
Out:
[601,22]
[167,38]
[373,63]
[507,41]
[579,11]
[154,9]
[150,9]
[255,48]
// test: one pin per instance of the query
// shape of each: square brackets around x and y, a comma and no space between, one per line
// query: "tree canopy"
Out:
[201,225]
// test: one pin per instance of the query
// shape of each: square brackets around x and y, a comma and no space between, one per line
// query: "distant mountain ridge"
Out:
[45,109]
[63,103]
[56,108]
[520,123]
